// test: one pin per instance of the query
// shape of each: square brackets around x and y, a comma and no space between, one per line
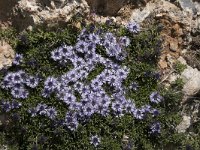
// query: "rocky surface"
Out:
[24,14]
[6,54]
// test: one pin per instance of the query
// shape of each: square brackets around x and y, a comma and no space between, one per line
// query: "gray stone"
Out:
[185,124]
[174,46]
[188,4]
[191,78]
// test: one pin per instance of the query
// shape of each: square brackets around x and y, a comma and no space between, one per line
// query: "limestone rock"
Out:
[186,122]
[192,81]
[52,11]
[6,55]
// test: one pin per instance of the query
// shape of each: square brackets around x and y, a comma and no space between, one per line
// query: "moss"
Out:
[142,57]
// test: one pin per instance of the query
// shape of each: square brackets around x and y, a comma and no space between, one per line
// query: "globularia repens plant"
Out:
[94,88]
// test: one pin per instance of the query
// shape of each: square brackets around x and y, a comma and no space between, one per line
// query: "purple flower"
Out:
[134,86]
[33,112]
[56,54]
[17,78]
[95,140]
[16,105]
[88,110]
[78,62]
[130,106]
[121,56]
[103,110]
[6,106]
[32,81]
[122,74]
[78,86]
[95,84]
[81,46]
[94,38]
[18,86]
[69,98]
[22,75]
[51,113]
[111,51]
[110,37]
[146,108]
[155,112]
[106,44]
[155,128]
[16,93]
[18,59]
[124,41]
[24,93]
[41,109]
[155,97]
[71,121]
[91,47]
[85,90]
[19,93]
[5,84]
[66,50]
[133,27]
[75,106]
[72,75]
[46,92]
[113,81]
[138,114]
[50,83]
[9,77]
[83,74]
[117,108]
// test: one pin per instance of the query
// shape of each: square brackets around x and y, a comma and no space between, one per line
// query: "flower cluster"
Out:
[94,99]
[43,109]
[8,106]
[17,82]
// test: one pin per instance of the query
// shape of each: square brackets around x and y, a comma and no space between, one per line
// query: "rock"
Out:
[188,4]
[162,64]
[182,60]
[106,7]
[173,77]
[177,26]
[191,77]
[21,14]
[6,55]
[173,45]
[185,124]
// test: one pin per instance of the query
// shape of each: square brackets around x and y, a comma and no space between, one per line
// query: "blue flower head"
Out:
[155,128]
[95,140]
[18,59]
[133,27]
[155,97]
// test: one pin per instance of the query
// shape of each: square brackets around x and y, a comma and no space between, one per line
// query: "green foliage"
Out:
[179,67]
[143,54]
